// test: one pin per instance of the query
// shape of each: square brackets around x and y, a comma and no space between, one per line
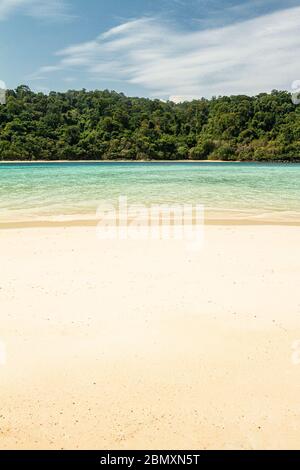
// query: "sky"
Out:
[166,49]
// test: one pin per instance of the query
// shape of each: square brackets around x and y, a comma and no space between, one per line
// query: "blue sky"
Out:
[178,49]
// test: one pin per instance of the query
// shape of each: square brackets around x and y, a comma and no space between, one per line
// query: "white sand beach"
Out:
[135,344]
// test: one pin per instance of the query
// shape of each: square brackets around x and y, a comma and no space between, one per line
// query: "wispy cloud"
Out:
[47,9]
[247,57]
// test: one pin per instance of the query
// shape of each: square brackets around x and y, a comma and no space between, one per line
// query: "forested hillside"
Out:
[108,125]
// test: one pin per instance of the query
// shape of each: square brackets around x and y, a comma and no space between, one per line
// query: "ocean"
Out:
[34,192]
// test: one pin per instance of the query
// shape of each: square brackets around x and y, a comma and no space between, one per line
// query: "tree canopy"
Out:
[106,125]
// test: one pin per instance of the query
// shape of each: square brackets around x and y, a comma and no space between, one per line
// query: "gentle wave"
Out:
[73,191]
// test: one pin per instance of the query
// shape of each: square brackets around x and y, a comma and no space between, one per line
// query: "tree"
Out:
[108,125]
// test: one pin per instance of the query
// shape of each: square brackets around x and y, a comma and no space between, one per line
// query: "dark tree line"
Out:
[108,125]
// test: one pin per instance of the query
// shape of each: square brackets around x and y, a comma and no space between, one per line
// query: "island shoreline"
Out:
[261,162]
[122,161]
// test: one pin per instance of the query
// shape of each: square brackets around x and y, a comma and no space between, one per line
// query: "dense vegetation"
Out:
[108,125]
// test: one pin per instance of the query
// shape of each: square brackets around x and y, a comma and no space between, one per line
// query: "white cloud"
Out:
[247,57]
[48,9]
[7,6]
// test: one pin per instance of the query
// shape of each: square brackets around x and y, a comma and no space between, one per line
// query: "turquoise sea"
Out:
[66,191]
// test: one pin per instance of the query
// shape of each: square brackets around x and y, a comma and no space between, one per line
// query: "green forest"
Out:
[106,125]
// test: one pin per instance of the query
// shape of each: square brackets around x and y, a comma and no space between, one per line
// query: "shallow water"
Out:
[59,191]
